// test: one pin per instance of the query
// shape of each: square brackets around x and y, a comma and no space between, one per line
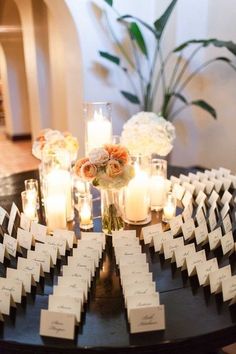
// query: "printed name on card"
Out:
[99,236]
[39,231]
[149,231]
[14,287]
[57,242]
[56,324]
[217,277]
[180,254]
[48,249]
[24,238]
[134,259]
[87,244]
[25,222]
[229,288]
[68,235]
[142,301]
[61,304]
[92,254]
[204,269]
[227,243]
[42,257]
[193,260]
[158,240]
[32,267]
[144,288]
[188,229]
[14,213]
[214,238]
[124,234]
[147,319]
[129,280]
[74,283]
[126,251]
[170,246]
[79,272]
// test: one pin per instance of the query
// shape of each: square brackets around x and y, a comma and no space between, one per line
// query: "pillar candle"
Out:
[99,131]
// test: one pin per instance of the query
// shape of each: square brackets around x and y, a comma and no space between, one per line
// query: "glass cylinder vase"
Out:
[111,210]
[158,183]
[98,125]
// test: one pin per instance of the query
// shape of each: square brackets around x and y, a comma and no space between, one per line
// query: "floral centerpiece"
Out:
[146,133]
[108,169]
[50,140]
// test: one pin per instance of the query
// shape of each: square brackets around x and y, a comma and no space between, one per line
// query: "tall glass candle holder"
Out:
[137,195]
[29,205]
[158,183]
[31,185]
[85,209]
[98,125]
[169,210]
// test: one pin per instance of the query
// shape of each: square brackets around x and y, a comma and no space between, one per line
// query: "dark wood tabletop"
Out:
[196,321]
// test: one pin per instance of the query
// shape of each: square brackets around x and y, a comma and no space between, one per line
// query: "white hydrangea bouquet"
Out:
[146,133]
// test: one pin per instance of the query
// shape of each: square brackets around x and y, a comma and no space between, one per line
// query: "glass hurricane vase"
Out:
[111,210]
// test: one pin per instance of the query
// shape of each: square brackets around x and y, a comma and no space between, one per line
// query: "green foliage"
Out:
[142,58]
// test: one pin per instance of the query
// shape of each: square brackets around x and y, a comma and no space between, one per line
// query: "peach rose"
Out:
[114,168]
[88,171]
[98,156]
[79,164]
[118,152]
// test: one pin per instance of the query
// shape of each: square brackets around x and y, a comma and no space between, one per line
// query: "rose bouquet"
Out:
[108,169]
[147,133]
[52,141]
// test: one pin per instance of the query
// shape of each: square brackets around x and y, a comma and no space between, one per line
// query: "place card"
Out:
[158,240]
[61,304]
[6,302]
[74,283]
[199,186]
[11,245]
[92,236]
[84,257]
[227,243]
[178,191]
[214,238]
[3,253]
[193,260]
[57,242]
[201,197]
[170,246]
[144,288]
[25,222]
[81,263]
[149,231]
[188,229]
[214,197]
[233,180]
[142,301]
[175,180]
[60,290]
[77,272]
[134,259]
[3,215]
[126,251]
[175,224]
[19,274]
[43,257]
[212,220]
[227,224]
[224,210]
[184,178]
[57,324]
[87,244]
[14,287]
[187,212]
[226,198]
[229,288]
[209,185]
[226,183]
[91,253]
[187,199]
[12,218]
[134,269]
[180,254]
[217,184]
[39,231]
[213,208]
[216,278]
[67,235]
[147,319]
[125,242]
[200,217]
[32,267]
[200,175]
[226,172]
[124,234]
[130,279]
[204,269]
[194,176]
[48,250]
[201,234]
[24,238]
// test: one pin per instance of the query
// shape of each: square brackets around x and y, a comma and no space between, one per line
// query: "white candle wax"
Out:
[137,197]
[85,214]
[169,211]
[157,191]
[30,206]
[56,211]
[99,131]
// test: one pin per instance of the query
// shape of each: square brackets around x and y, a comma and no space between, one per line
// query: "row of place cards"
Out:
[69,295]
[142,301]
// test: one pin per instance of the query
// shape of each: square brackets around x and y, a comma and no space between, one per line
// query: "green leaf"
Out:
[179,96]
[231,46]
[109,2]
[204,105]
[130,97]
[114,59]
[162,21]
[151,29]
[136,34]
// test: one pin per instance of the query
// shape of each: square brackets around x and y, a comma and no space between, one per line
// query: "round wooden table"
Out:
[196,321]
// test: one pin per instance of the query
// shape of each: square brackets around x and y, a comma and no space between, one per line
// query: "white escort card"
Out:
[3,215]
[78,272]
[187,212]
[87,244]
[158,240]
[200,217]
[212,221]
[188,229]
[90,253]
[178,191]
[26,278]
[217,277]
[226,183]
[144,288]
[204,269]
[201,197]
[229,288]
[74,283]
[92,236]
[227,243]
[130,280]
[214,238]
[217,184]
[149,231]
[134,269]
[82,262]
[25,222]
[193,260]
[189,187]
[184,178]
[170,246]
[67,235]
[48,250]
[209,185]
[187,199]
[65,304]
[124,234]
[25,238]
[134,259]
[11,245]
[6,302]
[142,301]
[224,210]
[61,290]
[194,176]
[180,254]
[226,172]
[57,324]
[41,256]
[14,287]
[147,319]
[32,267]
[39,231]
[57,242]
[3,253]
[201,234]
[126,251]
[199,186]
[175,224]
[13,215]
[226,198]
[214,197]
